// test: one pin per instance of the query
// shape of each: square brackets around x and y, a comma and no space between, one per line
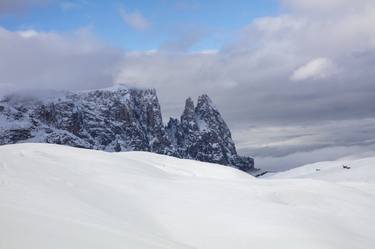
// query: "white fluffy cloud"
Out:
[318,68]
[329,45]
[270,51]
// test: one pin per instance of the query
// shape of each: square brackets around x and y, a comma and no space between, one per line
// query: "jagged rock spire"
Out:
[188,112]
[203,135]
[187,119]
[204,100]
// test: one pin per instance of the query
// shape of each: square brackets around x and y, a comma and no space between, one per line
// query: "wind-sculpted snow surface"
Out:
[119,119]
[55,196]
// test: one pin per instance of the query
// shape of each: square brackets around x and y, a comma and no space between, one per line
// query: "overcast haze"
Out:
[293,79]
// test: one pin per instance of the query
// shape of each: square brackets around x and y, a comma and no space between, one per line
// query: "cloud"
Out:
[73,5]
[34,59]
[134,19]
[187,5]
[285,147]
[324,5]
[286,140]
[28,33]
[12,6]
[315,69]
[329,45]
[184,42]
[256,69]
[322,154]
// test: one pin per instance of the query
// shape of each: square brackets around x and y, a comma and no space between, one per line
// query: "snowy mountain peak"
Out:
[120,118]
[204,100]
[203,135]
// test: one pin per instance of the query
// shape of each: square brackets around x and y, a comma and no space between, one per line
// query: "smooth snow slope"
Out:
[61,197]
[361,170]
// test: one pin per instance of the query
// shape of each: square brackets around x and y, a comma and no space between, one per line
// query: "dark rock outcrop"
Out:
[120,119]
[203,135]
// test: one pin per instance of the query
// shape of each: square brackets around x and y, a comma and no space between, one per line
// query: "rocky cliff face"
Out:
[203,135]
[120,119]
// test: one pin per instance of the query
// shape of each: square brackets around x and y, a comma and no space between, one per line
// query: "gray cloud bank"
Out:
[31,59]
[294,88]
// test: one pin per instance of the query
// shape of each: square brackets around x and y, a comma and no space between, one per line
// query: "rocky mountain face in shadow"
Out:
[120,119]
[202,134]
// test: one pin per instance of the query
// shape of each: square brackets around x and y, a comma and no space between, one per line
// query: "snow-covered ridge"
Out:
[63,197]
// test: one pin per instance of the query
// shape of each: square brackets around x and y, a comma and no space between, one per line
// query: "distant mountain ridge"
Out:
[120,119]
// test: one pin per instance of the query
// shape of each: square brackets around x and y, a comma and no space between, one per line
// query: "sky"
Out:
[140,25]
[294,79]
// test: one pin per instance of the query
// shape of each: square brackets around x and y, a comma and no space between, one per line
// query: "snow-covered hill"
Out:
[355,170]
[54,196]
